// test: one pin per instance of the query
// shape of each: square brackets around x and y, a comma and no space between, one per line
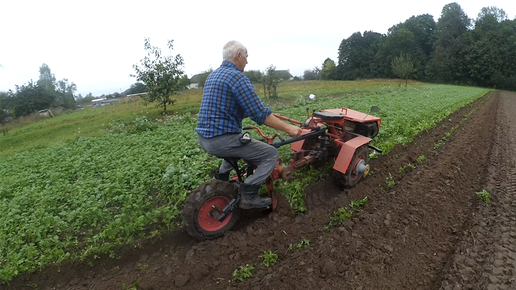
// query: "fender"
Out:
[347,150]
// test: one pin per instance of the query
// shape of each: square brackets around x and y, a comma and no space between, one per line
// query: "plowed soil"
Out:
[428,231]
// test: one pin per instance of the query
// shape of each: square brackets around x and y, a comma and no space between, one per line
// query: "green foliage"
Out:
[329,70]
[255,76]
[344,213]
[312,75]
[357,56]
[421,159]
[448,63]
[132,286]
[390,181]
[403,67]
[270,82]
[269,258]
[162,75]
[136,88]
[303,243]
[243,272]
[484,196]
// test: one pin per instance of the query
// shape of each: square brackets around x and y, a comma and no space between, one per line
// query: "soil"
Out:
[428,231]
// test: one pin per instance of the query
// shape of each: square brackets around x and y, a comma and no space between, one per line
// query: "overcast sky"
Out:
[95,43]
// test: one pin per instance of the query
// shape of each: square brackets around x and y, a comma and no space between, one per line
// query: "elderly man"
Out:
[228,97]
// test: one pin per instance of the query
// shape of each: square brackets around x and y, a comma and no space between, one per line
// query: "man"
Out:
[228,97]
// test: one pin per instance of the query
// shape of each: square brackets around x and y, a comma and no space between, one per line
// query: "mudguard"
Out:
[347,150]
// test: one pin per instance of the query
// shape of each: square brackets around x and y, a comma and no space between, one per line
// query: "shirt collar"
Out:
[229,64]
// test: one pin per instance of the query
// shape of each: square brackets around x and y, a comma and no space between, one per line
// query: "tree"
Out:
[29,98]
[491,50]
[357,56]
[395,43]
[47,82]
[136,88]
[328,71]
[270,82]
[312,75]
[403,67]
[5,106]
[255,76]
[65,90]
[448,63]
[423,29]
[163,75]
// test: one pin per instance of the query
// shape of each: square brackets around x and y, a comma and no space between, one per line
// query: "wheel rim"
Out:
[206,221]
[354,174]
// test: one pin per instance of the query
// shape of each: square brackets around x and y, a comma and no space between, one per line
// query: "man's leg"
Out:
[256,152]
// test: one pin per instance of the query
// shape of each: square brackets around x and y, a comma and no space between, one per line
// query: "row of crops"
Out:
[82,198]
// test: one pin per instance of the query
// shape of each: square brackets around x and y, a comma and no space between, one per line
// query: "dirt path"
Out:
[429,231]
[486,256]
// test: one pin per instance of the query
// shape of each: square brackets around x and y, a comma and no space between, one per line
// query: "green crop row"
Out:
[82,198]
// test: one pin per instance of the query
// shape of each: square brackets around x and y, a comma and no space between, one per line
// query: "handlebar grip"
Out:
[246,128]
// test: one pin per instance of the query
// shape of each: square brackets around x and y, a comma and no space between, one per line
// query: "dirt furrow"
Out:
[486,256]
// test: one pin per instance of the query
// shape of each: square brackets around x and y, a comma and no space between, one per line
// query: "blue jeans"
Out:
[259,153]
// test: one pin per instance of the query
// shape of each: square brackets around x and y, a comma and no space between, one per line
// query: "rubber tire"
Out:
[347,180]
[198,197]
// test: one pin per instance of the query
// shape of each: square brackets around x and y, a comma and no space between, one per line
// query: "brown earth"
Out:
[429,231]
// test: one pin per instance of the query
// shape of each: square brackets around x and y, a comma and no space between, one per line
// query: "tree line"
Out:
[46,93]
[453,50]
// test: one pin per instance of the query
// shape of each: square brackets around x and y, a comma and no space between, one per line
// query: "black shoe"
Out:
[222,176]
[249,197]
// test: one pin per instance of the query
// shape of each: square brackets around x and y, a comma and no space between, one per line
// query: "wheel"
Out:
[199,205]
[352,177]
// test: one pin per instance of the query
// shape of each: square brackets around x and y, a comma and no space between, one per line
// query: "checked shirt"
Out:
[228,96]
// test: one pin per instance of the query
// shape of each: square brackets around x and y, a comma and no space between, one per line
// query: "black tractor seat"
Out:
[328,116]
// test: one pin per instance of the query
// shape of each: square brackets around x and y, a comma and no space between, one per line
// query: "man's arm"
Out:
[291,130]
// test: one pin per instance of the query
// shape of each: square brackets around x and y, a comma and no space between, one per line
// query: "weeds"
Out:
[269,258]
[343,213]
[390,181]
[421,159]
[303,243]
[132,286]
[243,272]
[484,196]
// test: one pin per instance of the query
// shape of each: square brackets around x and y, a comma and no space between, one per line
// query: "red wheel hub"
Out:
[206,221]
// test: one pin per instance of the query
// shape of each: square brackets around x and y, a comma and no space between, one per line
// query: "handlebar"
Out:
[283,141]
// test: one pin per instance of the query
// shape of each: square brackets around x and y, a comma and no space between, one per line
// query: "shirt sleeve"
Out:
[249,101]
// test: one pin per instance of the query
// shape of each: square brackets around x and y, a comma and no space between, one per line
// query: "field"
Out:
[112,200]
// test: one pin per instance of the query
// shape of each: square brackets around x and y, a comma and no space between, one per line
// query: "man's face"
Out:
[241,61]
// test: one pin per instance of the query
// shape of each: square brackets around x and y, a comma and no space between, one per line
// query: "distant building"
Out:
[104,102]
[284,75]
[194,81]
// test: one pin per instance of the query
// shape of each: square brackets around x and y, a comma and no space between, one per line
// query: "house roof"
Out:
[284,74]
[195,79]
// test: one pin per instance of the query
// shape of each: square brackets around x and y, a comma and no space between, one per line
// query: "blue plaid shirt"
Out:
[228,96]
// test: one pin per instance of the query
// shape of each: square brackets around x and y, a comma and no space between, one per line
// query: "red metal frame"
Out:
[338,138]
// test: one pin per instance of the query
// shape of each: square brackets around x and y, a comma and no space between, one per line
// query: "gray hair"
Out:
[231,49]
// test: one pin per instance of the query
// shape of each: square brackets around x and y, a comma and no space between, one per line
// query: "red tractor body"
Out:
[341,136]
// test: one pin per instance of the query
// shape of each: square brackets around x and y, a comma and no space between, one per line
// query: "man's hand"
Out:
[294,131]
[276,123]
